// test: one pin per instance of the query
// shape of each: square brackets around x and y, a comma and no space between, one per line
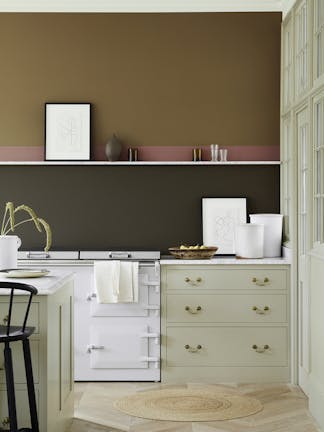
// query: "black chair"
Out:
[8,334]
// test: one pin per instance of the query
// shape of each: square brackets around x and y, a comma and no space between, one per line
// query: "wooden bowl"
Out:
[206,253]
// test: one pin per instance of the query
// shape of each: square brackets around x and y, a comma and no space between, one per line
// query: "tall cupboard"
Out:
[302,183]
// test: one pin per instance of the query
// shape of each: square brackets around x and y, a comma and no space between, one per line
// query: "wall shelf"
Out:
[139,163]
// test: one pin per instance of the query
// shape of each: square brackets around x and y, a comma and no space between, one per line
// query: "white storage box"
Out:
[272,233]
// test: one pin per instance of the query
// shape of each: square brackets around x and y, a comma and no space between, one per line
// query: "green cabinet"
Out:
[52,357]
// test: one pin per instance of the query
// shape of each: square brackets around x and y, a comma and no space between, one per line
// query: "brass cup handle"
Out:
[259,282]
[260,349]
[193,349]
[260,311]
[193,282]
[5,421]
[193,311]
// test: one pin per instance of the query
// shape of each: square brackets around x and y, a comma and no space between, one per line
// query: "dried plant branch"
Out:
[17,224]
[38,222]
[3,225]
[10,207]
[32,214]
[48,231]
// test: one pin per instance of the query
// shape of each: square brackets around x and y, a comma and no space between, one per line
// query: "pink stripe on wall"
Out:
[159,153]
[184,153]
[21,153]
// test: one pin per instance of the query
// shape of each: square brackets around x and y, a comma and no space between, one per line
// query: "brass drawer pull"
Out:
[5,319]
[260,311]
[259,282]
[260,350]
[193,282]
[193,311]
[5,422]
[193,349]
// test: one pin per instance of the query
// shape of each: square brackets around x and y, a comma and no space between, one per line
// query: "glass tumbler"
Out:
[214,152]
[223,155]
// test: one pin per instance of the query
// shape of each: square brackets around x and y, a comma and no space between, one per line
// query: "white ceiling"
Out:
[141,5]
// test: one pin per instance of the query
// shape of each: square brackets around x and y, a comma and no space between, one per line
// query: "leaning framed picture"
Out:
[219,217]
[67,131]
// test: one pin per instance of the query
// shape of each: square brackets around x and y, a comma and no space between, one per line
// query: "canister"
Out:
[249,240]
[272,232]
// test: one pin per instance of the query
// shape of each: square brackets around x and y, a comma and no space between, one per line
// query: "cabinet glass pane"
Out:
[302,48]
[303,169]
[285,175]
[287,63]
[319,37]
[319,171]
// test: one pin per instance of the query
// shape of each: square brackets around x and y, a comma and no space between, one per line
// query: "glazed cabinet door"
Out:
[287,62]
[318,172]
[302,48]
[304,241]
[287,169]
[318,41]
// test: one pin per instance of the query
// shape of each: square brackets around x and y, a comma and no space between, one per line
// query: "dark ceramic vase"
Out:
[113,148]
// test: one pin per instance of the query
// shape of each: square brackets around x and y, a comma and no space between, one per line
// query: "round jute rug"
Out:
[187,405]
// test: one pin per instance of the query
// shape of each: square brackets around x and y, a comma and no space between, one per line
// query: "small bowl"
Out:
[205,253]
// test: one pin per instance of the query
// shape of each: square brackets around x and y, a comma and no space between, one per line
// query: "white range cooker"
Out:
[112,342]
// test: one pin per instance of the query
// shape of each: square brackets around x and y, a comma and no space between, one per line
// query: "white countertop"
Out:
[169,260]
[45,285]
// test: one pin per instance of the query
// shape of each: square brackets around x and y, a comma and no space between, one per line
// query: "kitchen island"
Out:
[51,314]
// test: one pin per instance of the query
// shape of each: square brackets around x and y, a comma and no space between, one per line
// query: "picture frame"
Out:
[219,218]
[67,131]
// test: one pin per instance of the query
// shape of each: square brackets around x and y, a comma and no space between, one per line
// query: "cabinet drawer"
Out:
[229,278]
[22,405]
[18,314]
[227,346]
[247,308]
[19,364]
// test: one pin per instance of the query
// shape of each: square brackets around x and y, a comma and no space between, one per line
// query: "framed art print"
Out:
[67,131]
[219,216]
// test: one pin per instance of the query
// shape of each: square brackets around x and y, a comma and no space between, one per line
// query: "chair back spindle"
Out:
[25,289]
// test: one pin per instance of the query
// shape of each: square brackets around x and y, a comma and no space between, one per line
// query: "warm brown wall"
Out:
[157,79]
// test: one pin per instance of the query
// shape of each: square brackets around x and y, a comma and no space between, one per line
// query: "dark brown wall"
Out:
[136,207]
[156,79]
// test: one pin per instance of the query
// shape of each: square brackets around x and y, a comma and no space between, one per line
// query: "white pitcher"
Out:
[9,245]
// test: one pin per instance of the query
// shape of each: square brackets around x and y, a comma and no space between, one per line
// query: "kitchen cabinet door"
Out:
[287,62]
[118,347]
[287,170]
[318,156]
[304,240]
[318,42]
[302,48]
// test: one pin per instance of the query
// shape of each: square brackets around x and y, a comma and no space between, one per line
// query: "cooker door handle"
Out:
[119,255]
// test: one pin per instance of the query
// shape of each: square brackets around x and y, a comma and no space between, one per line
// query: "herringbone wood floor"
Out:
[285,410]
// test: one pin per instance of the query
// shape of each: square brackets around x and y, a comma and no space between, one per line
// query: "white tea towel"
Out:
[106,279]
[128,282]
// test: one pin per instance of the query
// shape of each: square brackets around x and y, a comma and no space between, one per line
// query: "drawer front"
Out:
[18,362]
[227,346]
[230,278]
[18,314]
[22,406]
[245,308]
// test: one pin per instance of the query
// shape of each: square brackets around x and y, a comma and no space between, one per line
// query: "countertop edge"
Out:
[46,285]
[226,261]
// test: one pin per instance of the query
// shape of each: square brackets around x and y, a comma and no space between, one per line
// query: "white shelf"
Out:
[139,163]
